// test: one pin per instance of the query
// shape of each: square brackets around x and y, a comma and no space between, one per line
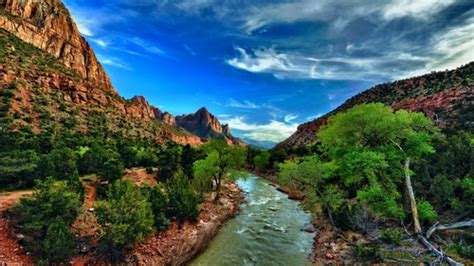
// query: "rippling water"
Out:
[267,231]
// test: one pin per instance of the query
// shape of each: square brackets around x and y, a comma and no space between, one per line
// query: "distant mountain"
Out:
[447,97]
[260,143]
[50,79]
[207,126]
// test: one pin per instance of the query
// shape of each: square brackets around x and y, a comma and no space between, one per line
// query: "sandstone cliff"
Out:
[47,25]
[446,97]
[207,126]
[54,79]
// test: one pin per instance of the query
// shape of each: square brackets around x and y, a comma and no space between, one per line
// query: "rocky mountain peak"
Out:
[48,25]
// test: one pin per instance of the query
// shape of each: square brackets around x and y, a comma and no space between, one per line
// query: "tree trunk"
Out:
[411,196]
[218,190]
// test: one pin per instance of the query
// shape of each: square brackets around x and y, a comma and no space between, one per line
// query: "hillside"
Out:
[446,97]
[50,79]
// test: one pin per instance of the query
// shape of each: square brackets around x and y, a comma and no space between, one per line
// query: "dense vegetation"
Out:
[374,170]
[127,213]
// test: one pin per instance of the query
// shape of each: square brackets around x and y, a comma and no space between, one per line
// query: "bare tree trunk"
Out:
[411,195]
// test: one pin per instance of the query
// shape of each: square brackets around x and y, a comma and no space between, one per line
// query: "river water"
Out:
[267,231]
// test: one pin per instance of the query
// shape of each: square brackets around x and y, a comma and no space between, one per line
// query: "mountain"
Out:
[447,97]
[205,125]
[50,80]
[263,144]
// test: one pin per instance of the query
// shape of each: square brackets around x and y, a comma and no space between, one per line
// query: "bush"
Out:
[159,205]
[111,170]
[392,236]
[366,252]
[149,170]
[125,215]
[58,244]
[183,202]
[426,212]
[45,218]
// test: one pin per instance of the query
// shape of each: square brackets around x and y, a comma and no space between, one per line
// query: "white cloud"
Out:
[290,117]
[262,60]
[331,96]
[275,131]
[420,9]
[102,43]
[242,104]
[114,62]
[147,46]
[339,13]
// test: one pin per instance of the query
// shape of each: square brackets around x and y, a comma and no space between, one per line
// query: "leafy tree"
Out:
[387,142]
[202,170]
[188,156]
[262,160]
[183,202]
[45,218]
[125,215]
[222,161]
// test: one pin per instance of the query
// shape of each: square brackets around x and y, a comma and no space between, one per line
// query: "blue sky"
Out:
[266,66]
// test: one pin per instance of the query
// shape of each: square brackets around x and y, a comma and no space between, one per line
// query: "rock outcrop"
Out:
[56,80]
[48,25]
[207,126]
[446,97]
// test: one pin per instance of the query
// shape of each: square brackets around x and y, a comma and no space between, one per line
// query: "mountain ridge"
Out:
[446,96]
[69,79]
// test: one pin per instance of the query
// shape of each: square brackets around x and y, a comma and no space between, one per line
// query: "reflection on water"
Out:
[266,232]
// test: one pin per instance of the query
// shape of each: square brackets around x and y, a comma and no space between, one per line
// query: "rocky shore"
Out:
[180,244]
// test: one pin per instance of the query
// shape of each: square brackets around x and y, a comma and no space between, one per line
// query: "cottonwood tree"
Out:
[375,145]
[222,161]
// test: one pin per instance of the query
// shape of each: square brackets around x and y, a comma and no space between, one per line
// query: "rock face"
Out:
[207,126]
[446,97]
[56,80]
[47,25]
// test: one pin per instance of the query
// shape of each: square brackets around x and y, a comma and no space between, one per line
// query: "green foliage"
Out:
[169,160]
[381,202]
[262,160]
[159,204]
[111,170]
[45,218]
[125,215]
[366,252]
[426,212]
[183,202]
[221,161]
[392,236]
[58,243]
[19,168]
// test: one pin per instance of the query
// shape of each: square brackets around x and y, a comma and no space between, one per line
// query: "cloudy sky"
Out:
[266,66]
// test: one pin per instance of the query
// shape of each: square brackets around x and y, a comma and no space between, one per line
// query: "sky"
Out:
[266,66]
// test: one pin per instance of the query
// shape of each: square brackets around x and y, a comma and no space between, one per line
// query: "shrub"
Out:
[45,218]
[366,252]
[111,170]
[426,212]
[125,215]
[392,236]
[159,204]
[149,170]
[183,202]
[58,244]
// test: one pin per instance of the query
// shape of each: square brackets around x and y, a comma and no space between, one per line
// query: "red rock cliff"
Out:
[47,25]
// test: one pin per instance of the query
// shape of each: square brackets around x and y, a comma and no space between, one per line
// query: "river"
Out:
[267,231]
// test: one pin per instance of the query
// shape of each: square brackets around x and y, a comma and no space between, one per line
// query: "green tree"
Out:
[111,170]
[387,142]
[159,204]
[125,215]
[46,217]
[183,202]
[262,160]
[222,161]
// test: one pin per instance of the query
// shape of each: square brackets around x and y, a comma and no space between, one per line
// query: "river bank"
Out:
[180,244]
[328,247]
[269,230]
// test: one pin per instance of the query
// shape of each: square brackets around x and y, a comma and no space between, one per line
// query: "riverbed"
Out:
[267,231]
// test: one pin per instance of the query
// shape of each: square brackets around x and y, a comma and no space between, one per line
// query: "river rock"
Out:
[309,229]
